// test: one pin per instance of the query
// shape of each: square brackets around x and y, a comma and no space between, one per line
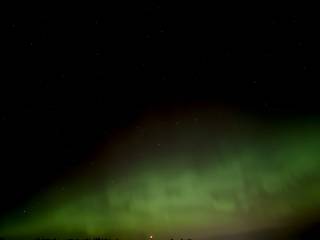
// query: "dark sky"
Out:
[73,76]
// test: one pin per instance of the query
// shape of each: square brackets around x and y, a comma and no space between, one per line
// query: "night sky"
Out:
[176,121]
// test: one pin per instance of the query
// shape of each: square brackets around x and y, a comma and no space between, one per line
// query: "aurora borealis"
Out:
[191,174]
[180,121]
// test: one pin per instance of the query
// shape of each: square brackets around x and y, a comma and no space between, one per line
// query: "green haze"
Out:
[192,177]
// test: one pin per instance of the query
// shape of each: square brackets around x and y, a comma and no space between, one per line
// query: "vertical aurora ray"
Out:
[201,177]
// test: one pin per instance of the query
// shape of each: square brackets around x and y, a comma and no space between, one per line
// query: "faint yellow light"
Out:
[151,237]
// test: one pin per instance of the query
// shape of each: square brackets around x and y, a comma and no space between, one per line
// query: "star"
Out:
[300,44]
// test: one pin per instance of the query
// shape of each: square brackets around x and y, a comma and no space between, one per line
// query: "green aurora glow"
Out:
[194,178]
